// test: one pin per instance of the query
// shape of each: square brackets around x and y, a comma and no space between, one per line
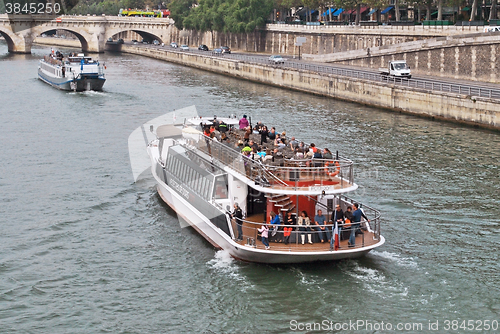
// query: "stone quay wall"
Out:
[454,107]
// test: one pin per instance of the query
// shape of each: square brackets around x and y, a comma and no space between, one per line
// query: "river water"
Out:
[84,249]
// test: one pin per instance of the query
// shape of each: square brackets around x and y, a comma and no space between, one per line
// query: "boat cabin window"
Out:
[220,188]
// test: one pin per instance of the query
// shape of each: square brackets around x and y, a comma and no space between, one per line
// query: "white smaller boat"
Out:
[74,73]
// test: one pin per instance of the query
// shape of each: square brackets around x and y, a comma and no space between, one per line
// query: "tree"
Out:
[179,10]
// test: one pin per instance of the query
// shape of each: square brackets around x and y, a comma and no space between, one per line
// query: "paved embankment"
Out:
[456,107]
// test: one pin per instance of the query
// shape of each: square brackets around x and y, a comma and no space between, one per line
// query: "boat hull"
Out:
[87,82]
[221,240]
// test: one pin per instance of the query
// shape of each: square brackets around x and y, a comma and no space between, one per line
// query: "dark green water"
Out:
[83,249]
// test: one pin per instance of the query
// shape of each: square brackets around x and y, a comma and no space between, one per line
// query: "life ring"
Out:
[337,168]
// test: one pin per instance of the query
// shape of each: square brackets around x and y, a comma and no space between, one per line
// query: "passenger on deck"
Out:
[276,139]
[289,220]
[327,154]
[261,153]
[239,145]
[244,122]
[253,144]
[269,157]
[255,154]
[263,134]
[320,221]
[216,133]
[248,132]
[304,224]
[206,131]
[309,154]
[223,138]
[318,156]
[264,230]
[215,122]
[277,155]
[357,214]
[348,222]
[222,127]
[299,153]
[272,133]
[281,144]
[313,147]
[283,136]
[275,221]
[246,151]
[338,217]
[293,144]
[259,126]
[238,219]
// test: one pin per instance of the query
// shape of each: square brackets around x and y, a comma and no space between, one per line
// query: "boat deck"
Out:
[282,173]
[276,243]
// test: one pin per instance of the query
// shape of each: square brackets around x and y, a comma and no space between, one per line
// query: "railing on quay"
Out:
[431,85]
[286,173]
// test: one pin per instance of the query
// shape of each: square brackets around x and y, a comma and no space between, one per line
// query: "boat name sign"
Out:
[179,188]
[321,188]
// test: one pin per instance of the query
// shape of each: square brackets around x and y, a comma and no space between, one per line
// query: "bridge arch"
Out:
[84,40]
[8,39]
[147,36]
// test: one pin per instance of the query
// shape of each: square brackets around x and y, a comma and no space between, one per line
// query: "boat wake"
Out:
[89,93]
[222,261]
[376,282]
[407,262]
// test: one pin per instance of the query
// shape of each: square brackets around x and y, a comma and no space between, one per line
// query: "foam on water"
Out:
[375,281]
[224,263]
[408,262]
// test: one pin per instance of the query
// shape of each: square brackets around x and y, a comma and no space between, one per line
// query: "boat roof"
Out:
[168,130]
[210,120]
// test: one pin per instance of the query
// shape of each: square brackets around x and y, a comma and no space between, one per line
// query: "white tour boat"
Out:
[202,179]
[74,73]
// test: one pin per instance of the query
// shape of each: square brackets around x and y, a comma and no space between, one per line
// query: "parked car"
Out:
[276,59]
[134,41]
[156,42]
[225,49]
[121,41]
[184,47]
[203,47]
[174,45]
[217,52]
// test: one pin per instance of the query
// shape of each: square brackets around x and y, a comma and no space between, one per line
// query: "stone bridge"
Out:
[92,31]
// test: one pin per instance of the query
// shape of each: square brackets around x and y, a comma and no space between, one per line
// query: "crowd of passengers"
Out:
[279,229]
[263,144]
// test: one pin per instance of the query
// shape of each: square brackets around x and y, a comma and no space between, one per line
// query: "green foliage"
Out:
[237,16]
[179,10]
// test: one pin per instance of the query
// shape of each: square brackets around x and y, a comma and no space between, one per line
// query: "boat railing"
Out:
[366,233]
[290,173]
